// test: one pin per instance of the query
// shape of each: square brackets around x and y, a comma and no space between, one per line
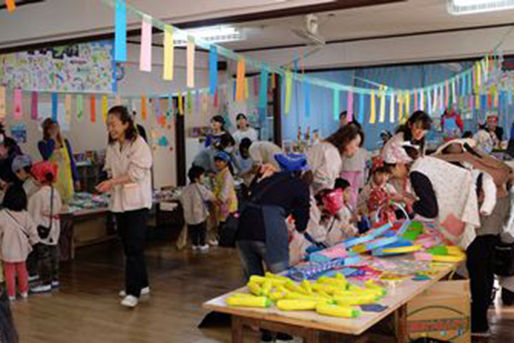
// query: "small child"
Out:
[18,234]
[193,199]
[224,189]
[21,166]
[45,206]
[377,194]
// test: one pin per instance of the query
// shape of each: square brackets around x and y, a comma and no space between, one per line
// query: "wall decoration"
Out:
[19,133]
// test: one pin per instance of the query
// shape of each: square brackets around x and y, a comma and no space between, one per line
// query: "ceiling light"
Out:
[459,7]
[211,34]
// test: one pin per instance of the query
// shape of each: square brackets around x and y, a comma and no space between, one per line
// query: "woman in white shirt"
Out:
[244,130]
[127,163]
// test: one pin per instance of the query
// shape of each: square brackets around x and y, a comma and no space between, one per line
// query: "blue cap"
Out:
[20,162]
[222,155]
[292,162]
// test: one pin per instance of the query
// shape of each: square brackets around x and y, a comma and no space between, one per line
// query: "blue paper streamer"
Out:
[307,94]
[213,69]
[361,108]
[55,103]
[120,32]
[263,88]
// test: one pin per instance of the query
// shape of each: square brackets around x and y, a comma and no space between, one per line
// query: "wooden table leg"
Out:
[400,324]
[311,336]
[237,329]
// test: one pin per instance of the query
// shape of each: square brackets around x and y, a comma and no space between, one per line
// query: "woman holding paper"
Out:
[56,149]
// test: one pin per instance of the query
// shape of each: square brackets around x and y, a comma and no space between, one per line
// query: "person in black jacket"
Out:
[263,234]
[9,149]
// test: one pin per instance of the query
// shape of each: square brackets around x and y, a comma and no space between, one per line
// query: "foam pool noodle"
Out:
[254,288]
[257,279]
[260,302]
[337,311]
[275,296]
[355,299]
[266,287]
[296,305]
[307,286]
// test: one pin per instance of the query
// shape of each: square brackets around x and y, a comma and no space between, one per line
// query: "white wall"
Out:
[441,46]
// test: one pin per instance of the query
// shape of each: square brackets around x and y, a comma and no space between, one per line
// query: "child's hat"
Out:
[20,162]
[42,169]
[223,156]
[292,162]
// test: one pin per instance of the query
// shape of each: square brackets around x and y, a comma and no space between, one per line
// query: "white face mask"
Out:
[229,149]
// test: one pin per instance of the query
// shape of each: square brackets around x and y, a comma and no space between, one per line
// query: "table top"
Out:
[395,298]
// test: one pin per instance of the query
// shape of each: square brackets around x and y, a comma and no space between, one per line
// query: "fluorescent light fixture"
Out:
[211,34]
[460,7]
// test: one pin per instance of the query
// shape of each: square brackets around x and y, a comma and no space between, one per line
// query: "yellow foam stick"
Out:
[318,287]
[333,281]
[338,311]
[403,250]
[297,305]
[299,296]
[449,258]
[278,277]
[323,294]
[355,300]
[275,296]
[371,291]
[282,289]
[261,302]
[370,284]
[340,276]
[257,279]
[254,288]
[307,286]
[266,287]
[235,295]
[291,286]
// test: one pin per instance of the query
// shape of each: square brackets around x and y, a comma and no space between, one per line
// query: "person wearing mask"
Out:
[128,163]
[57,149]
[244,130]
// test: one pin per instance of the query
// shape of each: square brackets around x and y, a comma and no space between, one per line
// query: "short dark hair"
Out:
[341,183]
[124,115]
[343,114]
[225,141]
[15,198]
[219,119]
[342,137]
[194,173]
[467,134]
[245,143]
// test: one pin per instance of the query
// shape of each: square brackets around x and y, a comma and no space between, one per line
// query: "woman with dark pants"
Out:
[128,162]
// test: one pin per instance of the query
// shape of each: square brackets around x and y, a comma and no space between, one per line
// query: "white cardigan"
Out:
[134,160]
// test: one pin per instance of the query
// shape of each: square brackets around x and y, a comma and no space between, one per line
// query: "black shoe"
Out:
[507,297]
[266,336]
[282,337]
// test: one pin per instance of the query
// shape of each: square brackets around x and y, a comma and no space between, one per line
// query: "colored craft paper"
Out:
[416,106]
[105,107]
[407,105]
[479,77]
[18,103]
[189,102]
[382,108]
[372,118]
[144,114]
[471,103]
[421,100]
[145,52]
[289,87]
[180,103]
[469,83]
[441,99]
[33,106]
[168,53]
[247,93]
[361,108]
[213,69]
[190,50]
[391,108]
[349,106]
[400,107]
[484,68]
[263,88]
[483,102]
[463,85]
[2,102]
[489,100]
[335,101]
[477,102]
[92,108]
[80,108]
[429,102]
[120,32]
[55,103]
[454,94]
[240,79]
[307,97]
[67,109]
[11,5]
[496,101]
[446,93]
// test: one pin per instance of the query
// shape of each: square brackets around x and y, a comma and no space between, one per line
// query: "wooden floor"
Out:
[87,309]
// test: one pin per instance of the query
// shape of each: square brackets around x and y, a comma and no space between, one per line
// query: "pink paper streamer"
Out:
[349,106]
[145,53]
[33,107]
[18,103]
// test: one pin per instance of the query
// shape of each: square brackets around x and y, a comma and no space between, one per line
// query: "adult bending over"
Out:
[128,162]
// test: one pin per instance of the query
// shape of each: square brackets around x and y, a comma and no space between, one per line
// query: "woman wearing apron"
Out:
[56,149]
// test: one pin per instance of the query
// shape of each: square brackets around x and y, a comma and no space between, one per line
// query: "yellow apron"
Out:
[64,184]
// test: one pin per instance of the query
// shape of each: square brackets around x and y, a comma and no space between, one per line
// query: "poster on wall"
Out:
[86,67]
[19,133]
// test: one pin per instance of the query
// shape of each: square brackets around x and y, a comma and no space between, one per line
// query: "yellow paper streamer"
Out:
[144,114]
[167,72]
[240,77]
[382,107]
[372,118]
[407,106]
[477,101]
[478,78]
[190,62]
[391,108]
[105,107]
[67,108]
[400,107]
[180,103]
[2,102]
[289,87]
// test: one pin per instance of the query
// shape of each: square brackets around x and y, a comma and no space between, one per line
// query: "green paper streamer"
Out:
[80,108]
[336,104]
[289,86]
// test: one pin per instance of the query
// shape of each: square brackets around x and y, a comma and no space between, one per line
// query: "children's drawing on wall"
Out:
[19,133]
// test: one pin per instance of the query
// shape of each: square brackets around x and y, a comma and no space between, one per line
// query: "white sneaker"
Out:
[144,291]
[41,289]
[24,295]
[12,298]
[195,247]
[213,242]
[204,248]
[130,301]
[33,278]
[55,284]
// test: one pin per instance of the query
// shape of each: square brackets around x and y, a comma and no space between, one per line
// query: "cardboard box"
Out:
[441,312]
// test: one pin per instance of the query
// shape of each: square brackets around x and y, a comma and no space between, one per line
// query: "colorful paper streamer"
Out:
[168,53]
[55,103]
[349,107]
[145,52]
[80,108]
[144,114]
[120,32]
[105,107]
[382,107]
[372,114]
[391,108]
[361,108]
[213,69]
[190,51]
[289,90]
[240,79]
[2,102]
[67,109]
[335,96]
[34,105]
[18,104]
[92,108]
[263,88]
[180,103]
[10,5]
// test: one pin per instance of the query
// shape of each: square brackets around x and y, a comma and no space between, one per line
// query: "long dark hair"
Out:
[46,126]
[415,118]
[342,137]
[125,117]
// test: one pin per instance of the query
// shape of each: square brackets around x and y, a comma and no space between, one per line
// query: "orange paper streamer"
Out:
[11,5]
[240,80]
[92,108]
[144,114]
